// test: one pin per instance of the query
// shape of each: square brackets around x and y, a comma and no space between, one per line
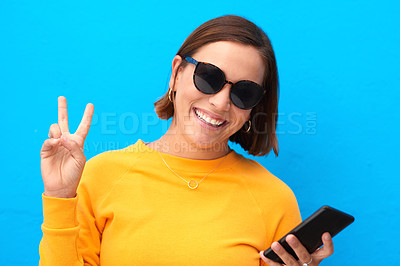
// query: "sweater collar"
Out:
[188,165]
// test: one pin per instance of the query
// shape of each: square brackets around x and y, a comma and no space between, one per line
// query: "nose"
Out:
[221,100]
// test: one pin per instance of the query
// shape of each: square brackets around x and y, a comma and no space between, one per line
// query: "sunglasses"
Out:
[210,79]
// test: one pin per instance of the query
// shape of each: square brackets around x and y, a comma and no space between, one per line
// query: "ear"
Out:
[175,71]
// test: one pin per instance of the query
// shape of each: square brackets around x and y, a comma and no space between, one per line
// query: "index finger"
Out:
[84,126]
[62,114]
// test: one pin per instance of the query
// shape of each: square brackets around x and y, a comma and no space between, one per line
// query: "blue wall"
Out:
[339,118]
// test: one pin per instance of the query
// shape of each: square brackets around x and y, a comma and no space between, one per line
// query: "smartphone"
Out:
[309,232]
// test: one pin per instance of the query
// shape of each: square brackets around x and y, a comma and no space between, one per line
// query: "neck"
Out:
[179,146]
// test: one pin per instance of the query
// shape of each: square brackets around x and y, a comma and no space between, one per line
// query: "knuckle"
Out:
[330,252]
[304,256]
[292,261]
[54,128]
[327,252]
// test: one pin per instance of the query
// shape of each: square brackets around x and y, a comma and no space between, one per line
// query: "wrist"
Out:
[60,194]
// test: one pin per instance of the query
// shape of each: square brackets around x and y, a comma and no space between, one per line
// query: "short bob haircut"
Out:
[262,136]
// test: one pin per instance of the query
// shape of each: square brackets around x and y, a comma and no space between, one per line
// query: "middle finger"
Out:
[84,126]
[283,254]
[298,248]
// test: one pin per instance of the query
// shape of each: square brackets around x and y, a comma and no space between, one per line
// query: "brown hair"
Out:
[262,136]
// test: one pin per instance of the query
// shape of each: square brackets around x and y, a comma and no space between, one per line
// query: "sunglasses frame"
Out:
[195,62]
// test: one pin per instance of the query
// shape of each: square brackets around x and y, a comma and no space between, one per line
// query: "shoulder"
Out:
[257,175]
[267,189]
[105,169]
[113,160]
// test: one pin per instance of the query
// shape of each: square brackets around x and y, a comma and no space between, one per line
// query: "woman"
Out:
[187,198]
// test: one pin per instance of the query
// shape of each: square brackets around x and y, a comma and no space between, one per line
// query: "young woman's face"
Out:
[209,120]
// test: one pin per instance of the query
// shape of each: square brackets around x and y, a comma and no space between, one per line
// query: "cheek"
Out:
[238,118]
[187,93]
[184,80]
[242,115]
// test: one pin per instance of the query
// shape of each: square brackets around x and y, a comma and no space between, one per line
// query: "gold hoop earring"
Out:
[248,129]
[169,95]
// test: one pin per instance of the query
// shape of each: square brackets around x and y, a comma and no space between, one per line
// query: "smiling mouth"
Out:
[208,120]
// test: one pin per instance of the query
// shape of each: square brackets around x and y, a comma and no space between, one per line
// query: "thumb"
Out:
[326,250]
[74,148]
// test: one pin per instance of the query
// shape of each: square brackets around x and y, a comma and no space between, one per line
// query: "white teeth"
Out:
[208,119]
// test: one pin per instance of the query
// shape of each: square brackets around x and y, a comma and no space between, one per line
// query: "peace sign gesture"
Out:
[62,158]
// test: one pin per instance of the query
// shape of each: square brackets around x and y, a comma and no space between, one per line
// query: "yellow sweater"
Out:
[131,209]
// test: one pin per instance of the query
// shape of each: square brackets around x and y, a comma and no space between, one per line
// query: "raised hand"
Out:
[62,158]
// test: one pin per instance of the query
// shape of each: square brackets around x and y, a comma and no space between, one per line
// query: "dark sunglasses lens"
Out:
[208,79]
[246,94]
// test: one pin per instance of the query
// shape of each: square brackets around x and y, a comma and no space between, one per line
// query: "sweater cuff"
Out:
[59,213]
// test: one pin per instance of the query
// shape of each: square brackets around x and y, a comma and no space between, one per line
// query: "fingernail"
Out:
[263,257]
[276,246]
[290,240]
[327,236]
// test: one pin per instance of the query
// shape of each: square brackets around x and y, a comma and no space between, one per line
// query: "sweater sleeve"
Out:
[70,228]
[64,240]
[60,232]
[73,228]
[289,218]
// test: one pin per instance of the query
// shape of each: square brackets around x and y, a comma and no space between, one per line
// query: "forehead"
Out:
[238,61]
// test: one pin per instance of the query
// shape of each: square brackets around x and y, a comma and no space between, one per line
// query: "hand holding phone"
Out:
[309,232]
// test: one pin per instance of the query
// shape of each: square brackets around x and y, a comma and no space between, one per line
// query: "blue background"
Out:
[338,114]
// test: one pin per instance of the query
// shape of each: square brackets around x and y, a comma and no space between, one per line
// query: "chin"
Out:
[205,142]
